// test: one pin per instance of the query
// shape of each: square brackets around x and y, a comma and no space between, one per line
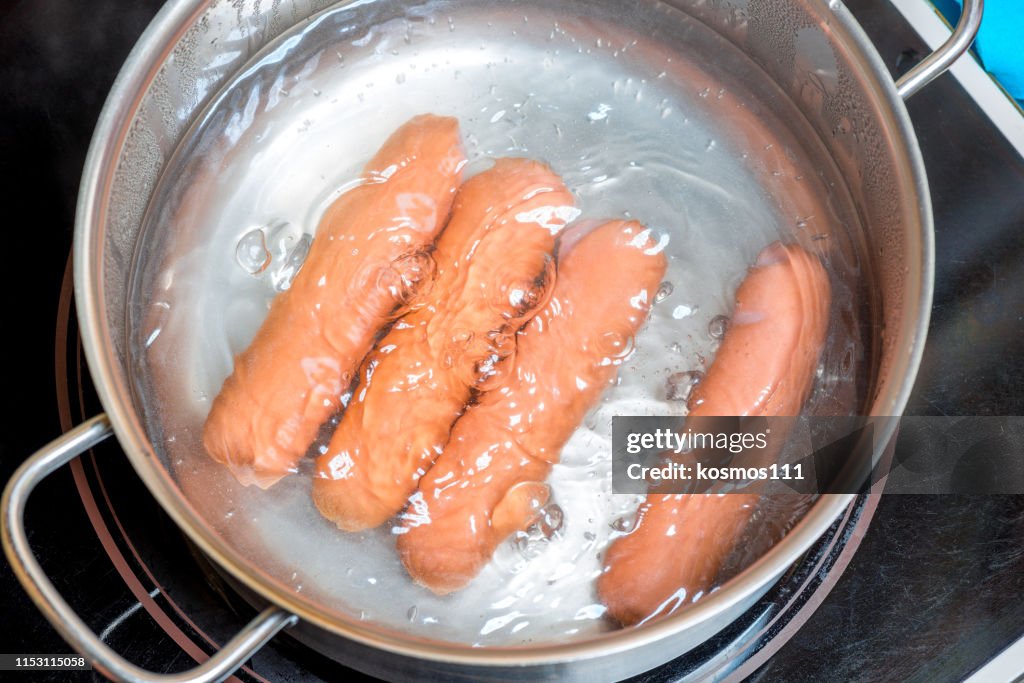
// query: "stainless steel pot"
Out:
[875,150]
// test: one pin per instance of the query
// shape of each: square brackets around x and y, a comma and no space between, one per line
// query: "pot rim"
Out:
[141,66]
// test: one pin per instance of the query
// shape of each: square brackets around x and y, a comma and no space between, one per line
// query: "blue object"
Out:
[1000,42]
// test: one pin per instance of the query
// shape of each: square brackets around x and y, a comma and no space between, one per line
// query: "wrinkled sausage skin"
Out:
[489,481]
[495,270]
[765,367]
[368,258]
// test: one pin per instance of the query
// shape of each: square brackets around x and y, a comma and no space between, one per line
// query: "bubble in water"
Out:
[615,347]
[526,546]
[718,326]
[679,385]
[665,290]
[281,237]
[622,524]
[407,276]
[282,276]
[551,521]
[513,296]
[482,361]
[531,542]
[251,253]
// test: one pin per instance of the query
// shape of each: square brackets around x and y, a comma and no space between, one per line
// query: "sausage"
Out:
[370,254]
[489,482]
[765,367]
[495,270]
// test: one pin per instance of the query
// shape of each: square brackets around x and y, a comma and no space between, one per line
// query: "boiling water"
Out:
[643,112]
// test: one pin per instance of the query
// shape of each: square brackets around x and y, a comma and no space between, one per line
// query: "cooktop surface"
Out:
[930,593]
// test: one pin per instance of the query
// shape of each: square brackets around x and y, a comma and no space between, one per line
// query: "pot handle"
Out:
[936,64]
[16,546]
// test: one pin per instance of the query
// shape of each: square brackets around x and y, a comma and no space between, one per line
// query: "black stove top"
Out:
[931,593]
